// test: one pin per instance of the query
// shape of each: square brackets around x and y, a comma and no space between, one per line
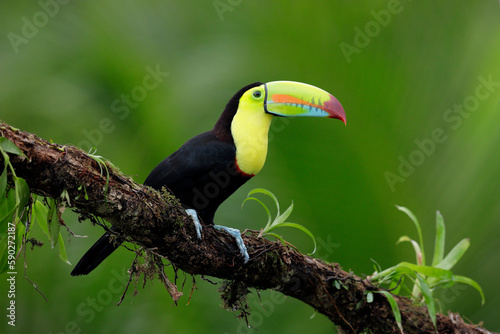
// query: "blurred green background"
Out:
[403,71]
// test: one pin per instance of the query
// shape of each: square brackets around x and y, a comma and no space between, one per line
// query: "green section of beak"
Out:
[289,98]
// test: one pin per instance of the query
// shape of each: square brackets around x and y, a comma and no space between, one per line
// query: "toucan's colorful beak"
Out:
[289,98]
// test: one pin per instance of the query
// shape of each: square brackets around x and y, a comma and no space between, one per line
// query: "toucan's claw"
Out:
[232,231]
[192,213]
[239,241]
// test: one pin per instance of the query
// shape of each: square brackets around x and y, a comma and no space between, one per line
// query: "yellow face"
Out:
[249,128]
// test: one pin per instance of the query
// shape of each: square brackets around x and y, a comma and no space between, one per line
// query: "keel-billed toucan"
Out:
[208,168]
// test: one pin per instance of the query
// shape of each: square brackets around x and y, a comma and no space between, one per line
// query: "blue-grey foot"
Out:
[192,213]
[239,241]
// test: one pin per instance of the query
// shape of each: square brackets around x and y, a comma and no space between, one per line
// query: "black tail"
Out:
[95,255]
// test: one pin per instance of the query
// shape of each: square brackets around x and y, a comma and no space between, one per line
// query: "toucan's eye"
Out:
[257,94]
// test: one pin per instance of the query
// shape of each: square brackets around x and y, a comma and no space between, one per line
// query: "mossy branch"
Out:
[157,221]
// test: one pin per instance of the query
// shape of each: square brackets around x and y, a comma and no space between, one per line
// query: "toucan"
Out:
[210,167]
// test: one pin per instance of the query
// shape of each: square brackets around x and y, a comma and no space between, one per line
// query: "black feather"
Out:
[95,255]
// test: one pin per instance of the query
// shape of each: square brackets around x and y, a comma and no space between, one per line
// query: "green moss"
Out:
[171,200]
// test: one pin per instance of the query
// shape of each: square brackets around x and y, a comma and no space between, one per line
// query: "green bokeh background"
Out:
[397,89]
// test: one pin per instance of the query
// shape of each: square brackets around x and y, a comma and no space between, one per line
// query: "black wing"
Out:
[202,174]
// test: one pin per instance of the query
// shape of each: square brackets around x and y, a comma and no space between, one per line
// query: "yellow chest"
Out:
[249,129]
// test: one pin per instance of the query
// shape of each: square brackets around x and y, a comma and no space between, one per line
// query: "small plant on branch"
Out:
[425,279]
[279,220]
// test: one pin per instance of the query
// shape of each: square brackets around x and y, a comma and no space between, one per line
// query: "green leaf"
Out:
[263,205]
[282,218]
[417,225]
[454,255]
[303,229]
[440,239]
[410,268]
[429,299]
[3,183]
[65,197]
[268,193]
[9,147]
[40,213]
[468,281]
[62,250]
[434,282]
[7,209]
[394,307]
[416,248]
[53,222]
[277,237]
[396,285]
[405,267]
[20,230]
[3,257]
[22,192]
[376,266]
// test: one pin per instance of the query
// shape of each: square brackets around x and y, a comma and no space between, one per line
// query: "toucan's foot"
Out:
[192,213]
[239,241]
[232,231]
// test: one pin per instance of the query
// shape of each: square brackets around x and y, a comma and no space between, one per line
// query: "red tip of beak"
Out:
[335,109]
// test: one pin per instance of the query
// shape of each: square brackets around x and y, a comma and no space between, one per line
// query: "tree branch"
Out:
[157,221]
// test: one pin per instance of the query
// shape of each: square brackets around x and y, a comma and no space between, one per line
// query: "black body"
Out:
[202,173]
